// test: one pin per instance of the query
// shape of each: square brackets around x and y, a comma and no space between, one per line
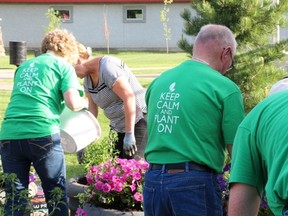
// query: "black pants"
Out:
[141,140]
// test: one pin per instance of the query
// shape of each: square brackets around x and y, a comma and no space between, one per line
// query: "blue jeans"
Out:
[285,211]
[47,156]
[190,193]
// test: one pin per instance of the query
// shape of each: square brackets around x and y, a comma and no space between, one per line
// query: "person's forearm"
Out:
[244,200]
[74,101]
[130,114]
[92,107]
[123,89]
[79,104]
[129,141]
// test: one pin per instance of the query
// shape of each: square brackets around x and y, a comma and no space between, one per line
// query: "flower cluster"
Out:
[223,180]
[81,212]
[117,184]
[32,177]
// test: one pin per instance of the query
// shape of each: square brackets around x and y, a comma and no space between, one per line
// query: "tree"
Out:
[106,30]
[55,20]
[254,23]
[2,50]
[165,20]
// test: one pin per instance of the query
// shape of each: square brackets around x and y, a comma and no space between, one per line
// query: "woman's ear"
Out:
[79,61]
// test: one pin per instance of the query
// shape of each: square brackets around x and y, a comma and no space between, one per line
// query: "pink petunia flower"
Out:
[106,188]
[80,212]
[98,185]
[133,187]
[138,197]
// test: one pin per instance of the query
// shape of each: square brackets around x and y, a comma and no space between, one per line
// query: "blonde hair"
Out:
[62,43]
[84,52]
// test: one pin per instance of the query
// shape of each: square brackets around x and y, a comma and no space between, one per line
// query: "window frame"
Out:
[134,20]
[65,8]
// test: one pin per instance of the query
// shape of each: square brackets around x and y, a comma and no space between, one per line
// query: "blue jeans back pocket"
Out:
[5,147]
[44,145]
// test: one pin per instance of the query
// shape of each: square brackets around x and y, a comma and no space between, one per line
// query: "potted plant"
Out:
[110,184]
[114,184]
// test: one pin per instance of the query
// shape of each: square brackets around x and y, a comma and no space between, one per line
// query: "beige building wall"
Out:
[26,22]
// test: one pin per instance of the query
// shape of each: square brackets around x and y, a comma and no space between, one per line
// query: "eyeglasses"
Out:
[232,62]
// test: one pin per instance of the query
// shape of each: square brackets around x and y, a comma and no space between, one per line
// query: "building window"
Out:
[65,13]
[134,14]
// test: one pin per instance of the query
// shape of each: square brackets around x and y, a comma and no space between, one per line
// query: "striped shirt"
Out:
[110,69]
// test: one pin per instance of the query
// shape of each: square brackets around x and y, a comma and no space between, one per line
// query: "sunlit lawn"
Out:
[139,62]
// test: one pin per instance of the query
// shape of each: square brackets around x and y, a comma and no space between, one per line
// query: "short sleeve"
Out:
[112,69]
[246,161]
[70,80]
[233,114]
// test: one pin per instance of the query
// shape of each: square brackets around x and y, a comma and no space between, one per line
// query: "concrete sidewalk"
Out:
[8,74]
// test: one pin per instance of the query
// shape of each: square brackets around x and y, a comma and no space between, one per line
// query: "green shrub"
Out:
[101,151]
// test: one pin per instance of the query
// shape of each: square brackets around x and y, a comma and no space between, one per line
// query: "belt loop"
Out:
[187,168]
[163,170]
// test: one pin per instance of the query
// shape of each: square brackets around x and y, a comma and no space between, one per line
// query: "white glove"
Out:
[129,144]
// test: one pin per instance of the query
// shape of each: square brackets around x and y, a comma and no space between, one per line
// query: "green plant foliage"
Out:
[55,20]
[56,196]
[9,179]
[254,23]
[100,152]
[165,20]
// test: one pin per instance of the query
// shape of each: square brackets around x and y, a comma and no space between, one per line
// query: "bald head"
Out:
[210,43]
[218,35]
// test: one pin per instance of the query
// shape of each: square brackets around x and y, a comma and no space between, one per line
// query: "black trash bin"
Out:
[18,52]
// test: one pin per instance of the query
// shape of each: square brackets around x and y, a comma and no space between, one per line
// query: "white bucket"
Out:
[78,130]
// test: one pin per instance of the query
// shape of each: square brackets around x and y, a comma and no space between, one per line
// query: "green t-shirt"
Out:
[260,150]
[193,111]
[37,97]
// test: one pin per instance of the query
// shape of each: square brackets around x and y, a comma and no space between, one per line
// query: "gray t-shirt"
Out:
[110,69]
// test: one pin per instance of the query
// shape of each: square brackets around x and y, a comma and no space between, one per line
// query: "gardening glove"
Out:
[129,144]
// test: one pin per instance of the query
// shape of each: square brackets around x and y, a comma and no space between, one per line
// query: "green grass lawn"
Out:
[139,62]
[4,98]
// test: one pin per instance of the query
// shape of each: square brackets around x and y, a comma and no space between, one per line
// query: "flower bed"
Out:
[223,180]
[115,184]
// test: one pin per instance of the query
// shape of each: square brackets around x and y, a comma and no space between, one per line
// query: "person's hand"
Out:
[85,103]
[129,144]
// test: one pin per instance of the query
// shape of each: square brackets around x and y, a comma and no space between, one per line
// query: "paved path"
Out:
[7,74]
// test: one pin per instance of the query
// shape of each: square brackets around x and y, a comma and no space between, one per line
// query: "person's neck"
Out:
[92,66]
[200,60]
[51,52]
